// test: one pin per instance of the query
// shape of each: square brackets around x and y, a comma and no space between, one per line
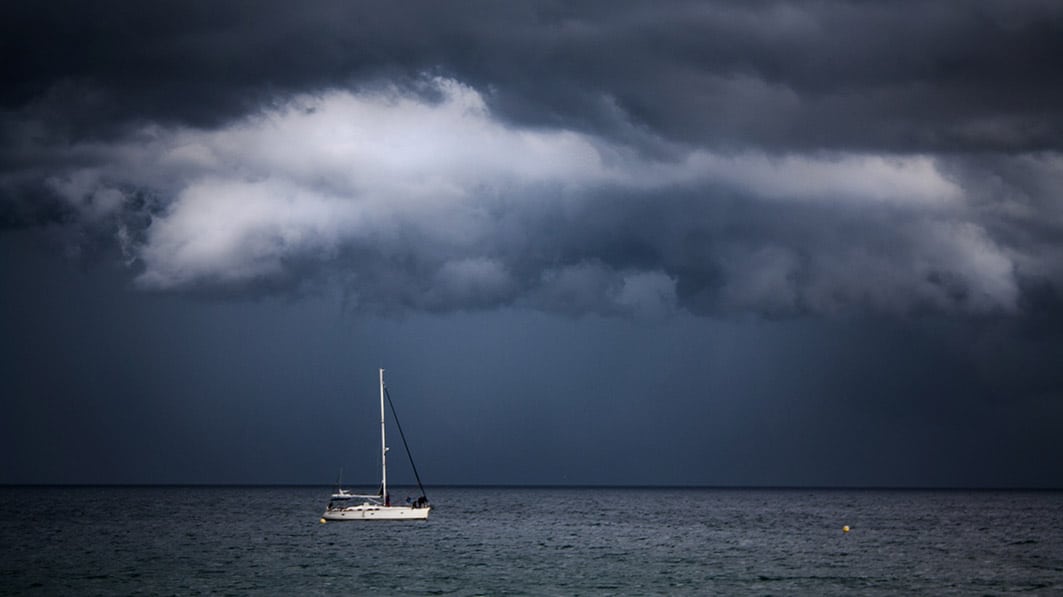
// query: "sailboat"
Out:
[344,505]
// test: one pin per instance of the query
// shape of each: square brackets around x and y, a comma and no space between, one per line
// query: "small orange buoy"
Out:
[845,529]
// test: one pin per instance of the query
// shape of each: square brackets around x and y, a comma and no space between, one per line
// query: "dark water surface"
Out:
[268,540]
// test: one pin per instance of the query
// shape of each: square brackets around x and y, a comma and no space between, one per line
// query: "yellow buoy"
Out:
[845,529]
[323,522]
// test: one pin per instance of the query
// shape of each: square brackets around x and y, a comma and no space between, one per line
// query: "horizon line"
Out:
[4,485]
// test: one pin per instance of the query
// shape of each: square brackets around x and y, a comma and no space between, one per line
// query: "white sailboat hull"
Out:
[376,512]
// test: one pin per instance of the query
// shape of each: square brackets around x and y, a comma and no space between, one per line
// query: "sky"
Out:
[600,243]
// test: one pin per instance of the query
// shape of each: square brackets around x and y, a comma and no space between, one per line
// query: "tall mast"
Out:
[383,445]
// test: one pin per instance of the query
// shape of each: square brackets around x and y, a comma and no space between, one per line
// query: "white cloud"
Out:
[341,167]
[984,274]
[84,192]
[845,178]
[423,181]
[945,265]
[232,231]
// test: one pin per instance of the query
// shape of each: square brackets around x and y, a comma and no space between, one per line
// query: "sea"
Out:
[532,541]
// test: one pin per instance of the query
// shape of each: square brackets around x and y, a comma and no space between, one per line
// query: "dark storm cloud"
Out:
[900,76]
[763,156]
